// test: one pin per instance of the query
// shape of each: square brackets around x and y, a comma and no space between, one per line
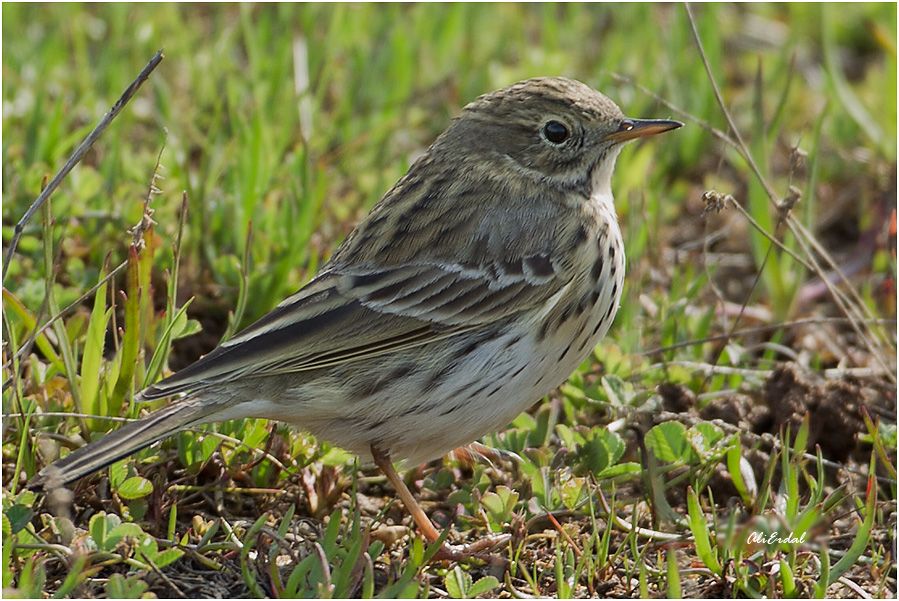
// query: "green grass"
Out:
[612,496]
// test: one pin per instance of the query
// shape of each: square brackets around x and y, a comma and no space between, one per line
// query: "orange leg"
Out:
[448,552]
[382,460]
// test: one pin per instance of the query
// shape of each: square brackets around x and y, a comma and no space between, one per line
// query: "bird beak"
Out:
[640,128]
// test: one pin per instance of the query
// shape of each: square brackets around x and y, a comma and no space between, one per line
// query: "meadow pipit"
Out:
[473,288]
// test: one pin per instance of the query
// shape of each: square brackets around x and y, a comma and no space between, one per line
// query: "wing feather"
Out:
[352,314]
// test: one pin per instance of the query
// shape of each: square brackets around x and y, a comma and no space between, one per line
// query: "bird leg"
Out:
[382,460]
[427,528]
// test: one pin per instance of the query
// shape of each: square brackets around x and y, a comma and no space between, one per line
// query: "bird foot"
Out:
[480,549]
[476,452]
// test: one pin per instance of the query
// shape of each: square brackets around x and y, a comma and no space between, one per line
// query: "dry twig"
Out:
[78,154]
[849,305]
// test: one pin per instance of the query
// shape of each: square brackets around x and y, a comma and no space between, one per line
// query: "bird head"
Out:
[554,130]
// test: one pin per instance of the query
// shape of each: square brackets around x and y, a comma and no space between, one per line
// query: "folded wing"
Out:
[357,313]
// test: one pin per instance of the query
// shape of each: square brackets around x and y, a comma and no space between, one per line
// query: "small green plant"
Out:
[499,506]
[122,587]
[672,442]
[459,584]
[701,535]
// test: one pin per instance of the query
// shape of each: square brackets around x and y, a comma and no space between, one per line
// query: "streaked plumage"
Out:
[471,290]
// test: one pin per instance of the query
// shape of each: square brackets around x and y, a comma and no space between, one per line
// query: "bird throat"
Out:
[601,175]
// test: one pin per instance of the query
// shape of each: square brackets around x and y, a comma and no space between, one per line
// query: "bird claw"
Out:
[479,452]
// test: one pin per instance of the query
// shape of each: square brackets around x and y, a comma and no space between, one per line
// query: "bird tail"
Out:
[119,444]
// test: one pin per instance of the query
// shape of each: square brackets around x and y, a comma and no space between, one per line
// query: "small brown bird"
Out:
[474,287]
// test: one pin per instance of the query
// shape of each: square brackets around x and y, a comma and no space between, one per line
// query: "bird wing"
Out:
[350,314]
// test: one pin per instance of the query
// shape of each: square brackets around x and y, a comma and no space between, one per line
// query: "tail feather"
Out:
[121,443]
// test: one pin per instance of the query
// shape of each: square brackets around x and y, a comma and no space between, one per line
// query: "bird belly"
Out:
[463,389]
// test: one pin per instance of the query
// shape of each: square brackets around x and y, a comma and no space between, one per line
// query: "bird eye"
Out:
[626,125]
[556,132]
